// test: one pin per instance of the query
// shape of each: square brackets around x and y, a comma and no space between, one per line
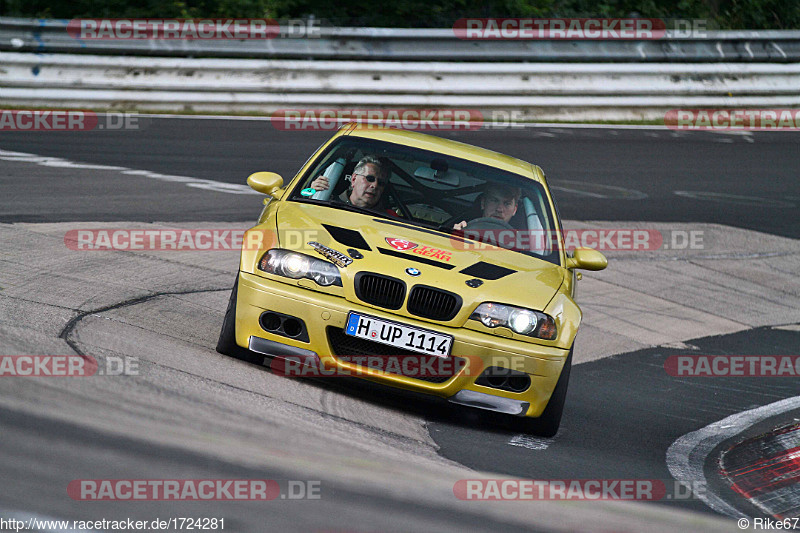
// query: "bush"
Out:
[723,14]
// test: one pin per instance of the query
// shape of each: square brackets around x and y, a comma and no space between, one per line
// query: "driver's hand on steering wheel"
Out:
[460,225]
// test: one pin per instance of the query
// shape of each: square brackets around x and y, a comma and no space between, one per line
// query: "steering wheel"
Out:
[488,223]
[404,211]
[482,223]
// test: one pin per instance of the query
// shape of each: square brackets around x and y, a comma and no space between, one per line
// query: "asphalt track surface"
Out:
[623,412]
[744,180]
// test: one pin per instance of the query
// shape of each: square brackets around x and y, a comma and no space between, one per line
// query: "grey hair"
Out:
[370,160]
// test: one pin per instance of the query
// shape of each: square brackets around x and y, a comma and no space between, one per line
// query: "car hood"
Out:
[394,248]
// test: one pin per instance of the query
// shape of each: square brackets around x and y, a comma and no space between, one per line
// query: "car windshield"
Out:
[435,191]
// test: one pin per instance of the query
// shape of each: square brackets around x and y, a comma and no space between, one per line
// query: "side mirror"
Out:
[587,259]
[266,183]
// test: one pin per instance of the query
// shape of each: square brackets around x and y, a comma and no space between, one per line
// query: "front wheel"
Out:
[548,423]
[226,344]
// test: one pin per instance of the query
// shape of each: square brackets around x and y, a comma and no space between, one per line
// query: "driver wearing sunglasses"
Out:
[367,183]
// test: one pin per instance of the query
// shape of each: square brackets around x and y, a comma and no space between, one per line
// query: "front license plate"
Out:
[398,335]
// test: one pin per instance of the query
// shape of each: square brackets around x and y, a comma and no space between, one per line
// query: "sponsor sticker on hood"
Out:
[400,244]
[336,257]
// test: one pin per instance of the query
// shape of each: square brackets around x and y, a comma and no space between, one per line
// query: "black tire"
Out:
[548,423]
[226,344]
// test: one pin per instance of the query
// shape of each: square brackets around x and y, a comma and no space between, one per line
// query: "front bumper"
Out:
[320,311]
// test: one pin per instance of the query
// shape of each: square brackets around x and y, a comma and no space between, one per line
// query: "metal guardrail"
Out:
[385,44]
[536,91]
[279,80]
[366,68]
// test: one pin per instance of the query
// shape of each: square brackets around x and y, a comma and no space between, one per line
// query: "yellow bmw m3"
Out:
[417,262]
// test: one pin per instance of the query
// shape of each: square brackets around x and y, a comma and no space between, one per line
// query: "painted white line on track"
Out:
[198,183]
[726,198]
[596,190]
[687,455]
[680,346]
[746,134]
[743,133]
[516,125]
[788,327]
[532,443]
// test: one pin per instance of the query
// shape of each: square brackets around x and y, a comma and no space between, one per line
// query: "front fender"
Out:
[568,317]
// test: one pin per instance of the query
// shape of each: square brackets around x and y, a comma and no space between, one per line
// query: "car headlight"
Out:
[517,319]
[294,265]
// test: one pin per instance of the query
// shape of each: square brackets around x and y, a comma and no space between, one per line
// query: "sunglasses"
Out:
[371,179]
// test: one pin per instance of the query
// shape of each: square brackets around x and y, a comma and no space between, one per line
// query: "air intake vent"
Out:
[382,291]
[423,367]
[433,303]
[487,271]
[348,237]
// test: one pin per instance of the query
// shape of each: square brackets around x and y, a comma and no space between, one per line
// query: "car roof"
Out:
[446,146]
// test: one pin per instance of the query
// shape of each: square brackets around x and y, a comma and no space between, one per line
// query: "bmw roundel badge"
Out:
[411,271]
